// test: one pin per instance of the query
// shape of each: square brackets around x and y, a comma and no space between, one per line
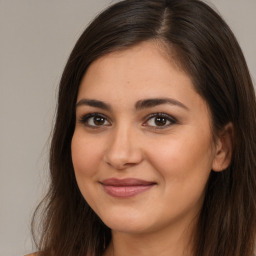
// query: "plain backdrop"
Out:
[36,37]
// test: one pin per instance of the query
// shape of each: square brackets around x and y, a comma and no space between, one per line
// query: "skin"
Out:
[177,156]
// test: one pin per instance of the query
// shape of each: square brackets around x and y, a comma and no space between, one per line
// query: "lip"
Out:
[124,188]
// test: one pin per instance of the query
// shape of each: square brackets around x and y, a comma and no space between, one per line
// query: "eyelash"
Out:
[86,118]
[166,118]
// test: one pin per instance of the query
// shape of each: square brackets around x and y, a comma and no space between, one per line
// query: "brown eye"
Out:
[98,120]
[160,121]
[94,120]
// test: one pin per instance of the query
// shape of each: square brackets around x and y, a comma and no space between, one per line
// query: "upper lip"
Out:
[126,182]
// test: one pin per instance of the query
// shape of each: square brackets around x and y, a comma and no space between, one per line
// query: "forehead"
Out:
[147,65]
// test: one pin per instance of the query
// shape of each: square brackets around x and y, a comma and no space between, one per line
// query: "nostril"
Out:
[121,161]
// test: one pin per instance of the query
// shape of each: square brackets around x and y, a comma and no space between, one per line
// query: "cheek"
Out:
[184,159]
[184,167]
[84,156]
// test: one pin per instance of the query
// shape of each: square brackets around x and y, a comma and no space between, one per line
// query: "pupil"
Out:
[160,121]
[99,120]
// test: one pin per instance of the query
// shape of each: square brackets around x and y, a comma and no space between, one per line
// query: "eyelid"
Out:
[84,118]
[170,118]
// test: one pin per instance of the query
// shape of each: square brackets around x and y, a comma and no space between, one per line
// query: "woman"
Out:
[153,151]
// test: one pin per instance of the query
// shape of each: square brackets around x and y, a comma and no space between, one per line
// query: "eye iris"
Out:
[98,120]
[160,121]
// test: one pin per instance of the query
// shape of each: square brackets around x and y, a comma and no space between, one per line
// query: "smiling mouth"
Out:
[124,188]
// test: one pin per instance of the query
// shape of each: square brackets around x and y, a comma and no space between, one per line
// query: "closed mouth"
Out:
[124,188]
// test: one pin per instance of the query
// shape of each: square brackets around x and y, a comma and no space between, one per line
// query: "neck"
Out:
[169,241]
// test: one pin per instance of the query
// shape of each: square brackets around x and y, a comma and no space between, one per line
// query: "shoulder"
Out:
[32,254]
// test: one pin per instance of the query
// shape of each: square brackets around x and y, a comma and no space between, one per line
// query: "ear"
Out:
[224,147]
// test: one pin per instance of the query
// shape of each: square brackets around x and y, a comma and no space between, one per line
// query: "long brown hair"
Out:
[208,51]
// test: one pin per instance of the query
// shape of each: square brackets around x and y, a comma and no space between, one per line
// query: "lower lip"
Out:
[126,191]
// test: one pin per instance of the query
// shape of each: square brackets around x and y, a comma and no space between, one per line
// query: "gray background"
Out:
[36,39]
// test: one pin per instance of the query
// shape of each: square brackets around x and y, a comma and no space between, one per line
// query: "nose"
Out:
[123,149]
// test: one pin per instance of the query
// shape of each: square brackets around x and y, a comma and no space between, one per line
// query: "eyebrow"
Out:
[93,103]
[141,104]
[149,103]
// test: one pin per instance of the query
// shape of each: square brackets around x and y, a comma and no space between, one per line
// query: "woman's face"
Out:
[142,148]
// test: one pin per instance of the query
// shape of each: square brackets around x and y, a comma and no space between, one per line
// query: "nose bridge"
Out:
[123,148]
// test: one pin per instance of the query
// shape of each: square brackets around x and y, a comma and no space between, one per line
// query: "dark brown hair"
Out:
[208,51]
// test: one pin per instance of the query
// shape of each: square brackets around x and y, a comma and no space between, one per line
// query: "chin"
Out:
[128,222]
